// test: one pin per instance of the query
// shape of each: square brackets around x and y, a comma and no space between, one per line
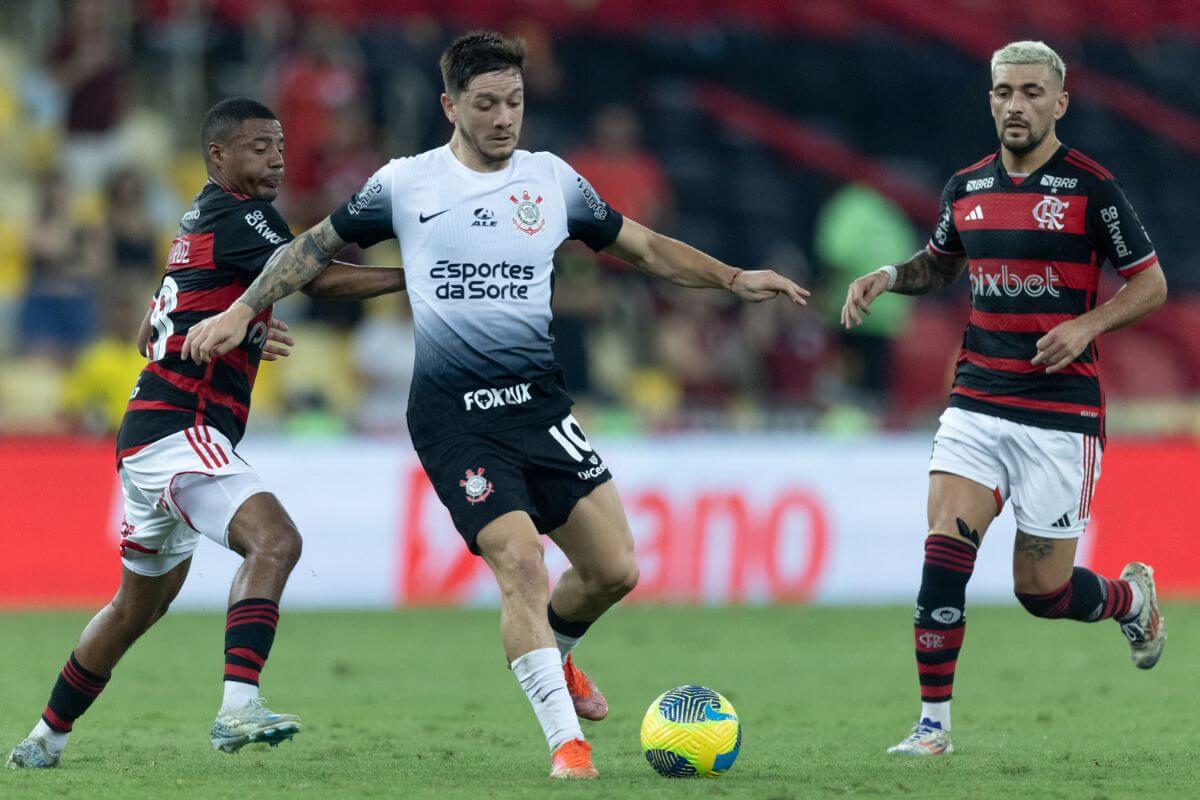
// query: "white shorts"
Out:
[1049,474]
[181,486]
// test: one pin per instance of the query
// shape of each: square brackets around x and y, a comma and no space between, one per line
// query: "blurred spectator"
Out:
[645,355]
[859,230]
[699,343]
[97,387]
[319,81]
[90,69]
[625,175]
[60,310]
[343,162]
[550,113]
[132,233]
[791,346]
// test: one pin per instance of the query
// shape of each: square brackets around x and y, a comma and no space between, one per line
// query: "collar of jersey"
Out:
[1028,180]
[469,174]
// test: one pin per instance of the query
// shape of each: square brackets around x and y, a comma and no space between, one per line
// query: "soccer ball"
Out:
[691,732]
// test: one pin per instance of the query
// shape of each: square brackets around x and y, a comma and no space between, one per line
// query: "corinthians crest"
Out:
[1049,213]
[527,216]
[478,488]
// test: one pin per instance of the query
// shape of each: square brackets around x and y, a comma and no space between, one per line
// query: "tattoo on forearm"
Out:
[923,273]
[303,260]
[1035,548]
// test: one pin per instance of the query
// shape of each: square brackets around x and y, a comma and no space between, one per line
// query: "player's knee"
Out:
[615,582]
[1041,602]
[281,544]
[1031,603]
[519,564]
[159,612]
[133,619]
[288,545]
[1033,584]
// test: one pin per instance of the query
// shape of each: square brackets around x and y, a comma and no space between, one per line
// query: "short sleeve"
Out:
[249,237]
[1116,231]
[945,239]
[589,219]
[366,218]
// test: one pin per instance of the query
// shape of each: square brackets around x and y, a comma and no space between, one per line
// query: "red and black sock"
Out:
[941,616]
[74,691]
[249,634]
[1086,597]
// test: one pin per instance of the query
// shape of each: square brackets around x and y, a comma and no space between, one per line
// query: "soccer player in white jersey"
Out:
[478,223]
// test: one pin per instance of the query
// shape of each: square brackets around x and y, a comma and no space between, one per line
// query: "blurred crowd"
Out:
[100,104]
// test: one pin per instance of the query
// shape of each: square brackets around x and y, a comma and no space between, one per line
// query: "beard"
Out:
[1029,145]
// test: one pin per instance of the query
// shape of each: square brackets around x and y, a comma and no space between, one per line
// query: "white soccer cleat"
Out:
[32,754]
[251,723]
[1146,633]
[925,740]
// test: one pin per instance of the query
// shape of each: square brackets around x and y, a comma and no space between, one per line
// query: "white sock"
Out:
[1135,605]
[540,674]
[237,694]
[565,644]
[55,741]
[937,712]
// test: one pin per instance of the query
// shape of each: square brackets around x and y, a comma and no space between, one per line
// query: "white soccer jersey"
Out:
[478,251]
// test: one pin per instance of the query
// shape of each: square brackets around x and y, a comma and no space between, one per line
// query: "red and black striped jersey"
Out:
[1035,246]
[224,241]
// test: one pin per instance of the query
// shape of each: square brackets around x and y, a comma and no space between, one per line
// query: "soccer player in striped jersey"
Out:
[1033,225]
[176,457]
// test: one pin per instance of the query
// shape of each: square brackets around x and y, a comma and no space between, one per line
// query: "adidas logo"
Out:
[976,213]
[1063,522]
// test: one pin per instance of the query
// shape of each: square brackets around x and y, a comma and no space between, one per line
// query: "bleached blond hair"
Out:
[1030,52]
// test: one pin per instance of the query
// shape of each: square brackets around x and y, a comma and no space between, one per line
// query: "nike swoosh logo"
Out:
[424,218]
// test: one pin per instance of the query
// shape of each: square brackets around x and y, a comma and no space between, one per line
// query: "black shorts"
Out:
[542,470]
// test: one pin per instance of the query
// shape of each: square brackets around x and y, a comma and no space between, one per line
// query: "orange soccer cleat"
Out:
[589,702]
[573,761]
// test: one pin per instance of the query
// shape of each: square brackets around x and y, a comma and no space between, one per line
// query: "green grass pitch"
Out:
[419,704]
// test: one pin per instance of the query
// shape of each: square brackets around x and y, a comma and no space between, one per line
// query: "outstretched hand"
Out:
[754,286]
[859,297]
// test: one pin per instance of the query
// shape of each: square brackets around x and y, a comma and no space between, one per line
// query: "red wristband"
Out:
[734,278]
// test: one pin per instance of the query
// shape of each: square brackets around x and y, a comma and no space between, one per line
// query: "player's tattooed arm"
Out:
[1035,548]
[302,261]
[288,270]
[923,273]
[927,272]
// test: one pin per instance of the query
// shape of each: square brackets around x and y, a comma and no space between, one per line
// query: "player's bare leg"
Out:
[597,541]
[140,601]
[1049,585]
[960,511]
[265,536]
[513,550]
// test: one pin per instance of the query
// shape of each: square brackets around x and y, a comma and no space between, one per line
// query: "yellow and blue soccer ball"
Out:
[691,732]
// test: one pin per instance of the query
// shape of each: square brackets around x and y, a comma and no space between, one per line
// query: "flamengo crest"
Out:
[478,488]
[1049,213]
[528,216]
